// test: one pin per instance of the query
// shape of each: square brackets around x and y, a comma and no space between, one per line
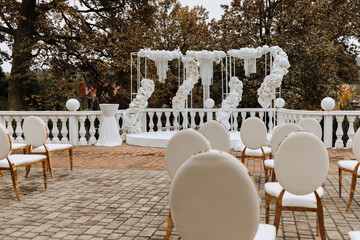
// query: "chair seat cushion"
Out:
[16,146]
[291,200]
[52,147]
[265,232]
[349,164]
[354,235]
[269,163]
[19,159]
[252,152]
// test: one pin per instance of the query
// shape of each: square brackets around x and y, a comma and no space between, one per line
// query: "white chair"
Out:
[354,235]
[13,162]
[217,134]
[253,135]
[278,135]
[49,149]
[311,125]
[180,147]
[301,166]
[212,197]
[351,166]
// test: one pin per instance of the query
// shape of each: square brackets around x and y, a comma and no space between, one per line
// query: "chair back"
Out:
[35,131]
[181,146]
[212,197]
[356,145]
[217,134]
[253,133]
[5,140]
[311,125]
[280,133]
[301,163]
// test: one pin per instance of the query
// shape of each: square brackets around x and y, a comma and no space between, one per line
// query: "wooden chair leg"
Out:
[71,155]
[267,207]
[2,173]
[169,227]
[27,171]
[340,181]
[266,175]
[320,216]
[50,165]
[44,165]
[14,178]
[317,225]
[352,190]
[278,210]
[273,176]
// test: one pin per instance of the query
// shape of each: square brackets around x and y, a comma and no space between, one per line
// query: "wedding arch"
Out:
[199,64]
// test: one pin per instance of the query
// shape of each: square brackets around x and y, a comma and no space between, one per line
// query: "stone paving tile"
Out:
[106,197]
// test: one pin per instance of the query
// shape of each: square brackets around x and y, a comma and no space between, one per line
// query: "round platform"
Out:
[160,139]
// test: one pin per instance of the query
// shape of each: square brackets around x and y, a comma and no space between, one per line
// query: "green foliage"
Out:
[4,84]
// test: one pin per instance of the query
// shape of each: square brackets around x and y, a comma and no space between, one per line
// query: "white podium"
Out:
[109,132]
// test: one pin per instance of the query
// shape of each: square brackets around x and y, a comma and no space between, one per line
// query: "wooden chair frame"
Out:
[320,227]
[13,171]
[353,182]
[262,157]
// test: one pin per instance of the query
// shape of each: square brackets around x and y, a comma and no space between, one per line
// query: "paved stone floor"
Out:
[122,193]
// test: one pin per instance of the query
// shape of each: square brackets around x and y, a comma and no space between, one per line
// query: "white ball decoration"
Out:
[209,103]
[72,104]
[279,103]
[328,104]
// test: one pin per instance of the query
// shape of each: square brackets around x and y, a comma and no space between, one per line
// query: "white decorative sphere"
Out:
[279,103]
[209,103]
[72,104]
[328,104]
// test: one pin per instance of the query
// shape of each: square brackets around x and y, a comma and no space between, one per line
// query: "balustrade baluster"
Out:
[176,120]
[10,127]
[92,130]
[192,119]
[167,123]
[18,129]
[339,132]
[46,121]
[64,130]
[117,119]
[261,115]
[82,131]
[351,131]
[270,124]
[151,122]
[209,116]
[235,121]
[252,114]
[243,117]
[159,123]
[201,115]
[54,130]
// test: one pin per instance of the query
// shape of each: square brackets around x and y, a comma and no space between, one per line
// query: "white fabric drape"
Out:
[109,130]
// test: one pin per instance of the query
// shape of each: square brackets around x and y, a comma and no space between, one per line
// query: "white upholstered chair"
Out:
[213,197]
[217,134]
[49,149]
[354,235]
[16,147]
[179,148]
[351,166]
[278,135]
[253,135]
[301,166]
[13,162]
[311,125]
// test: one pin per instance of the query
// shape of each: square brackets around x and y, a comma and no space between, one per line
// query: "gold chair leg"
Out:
[273,176]
[50,165]
[2,173]
[352,191]
[27,168]
[340,181]
[14,178]
[44,164]
[71,155]
[169,227]
[267,207]
[320,216]
[278,210]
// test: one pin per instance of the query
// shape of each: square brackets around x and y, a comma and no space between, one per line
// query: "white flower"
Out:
[131,116]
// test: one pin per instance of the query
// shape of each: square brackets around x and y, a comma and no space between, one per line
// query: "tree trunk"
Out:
[23,42]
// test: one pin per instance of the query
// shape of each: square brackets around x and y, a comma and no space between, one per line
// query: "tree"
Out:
[312,33]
